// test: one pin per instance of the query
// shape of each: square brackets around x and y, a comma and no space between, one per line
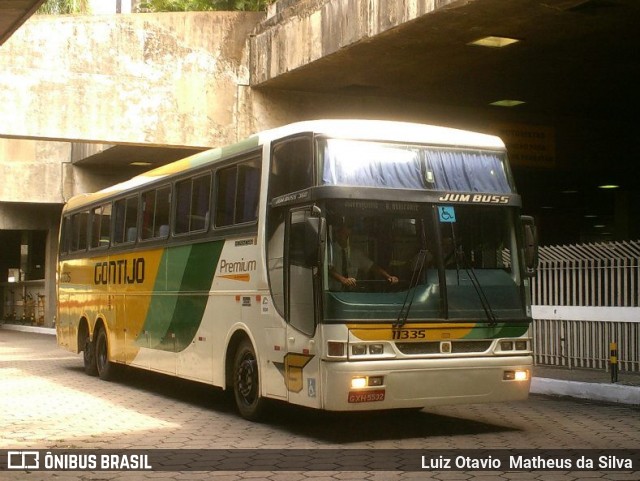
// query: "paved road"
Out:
[47,402]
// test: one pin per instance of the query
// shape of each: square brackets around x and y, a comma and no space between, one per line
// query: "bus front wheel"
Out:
[104,366]
[246,382]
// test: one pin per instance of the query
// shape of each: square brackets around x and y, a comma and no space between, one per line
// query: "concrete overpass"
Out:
[14,14]
[79,107]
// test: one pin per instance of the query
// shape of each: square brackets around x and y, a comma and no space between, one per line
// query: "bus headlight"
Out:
[514,345]
[517,375]
[358,382]
[367,350]
[506,346]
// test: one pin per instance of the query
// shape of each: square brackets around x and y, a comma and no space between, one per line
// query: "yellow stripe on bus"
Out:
[416,332]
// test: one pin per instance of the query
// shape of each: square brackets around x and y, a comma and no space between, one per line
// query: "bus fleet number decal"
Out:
[406,334]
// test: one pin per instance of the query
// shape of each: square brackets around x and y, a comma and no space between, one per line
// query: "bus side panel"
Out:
[76,279]
[195,349]
[195,361]
[119,285]
[164,320]
[63,319]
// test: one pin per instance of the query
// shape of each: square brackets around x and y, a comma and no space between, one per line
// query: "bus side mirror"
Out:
[530,245]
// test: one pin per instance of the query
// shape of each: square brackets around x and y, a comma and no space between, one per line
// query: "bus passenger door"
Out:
[302,357]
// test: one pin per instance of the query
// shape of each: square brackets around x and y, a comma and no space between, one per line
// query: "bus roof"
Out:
[381,130]
[387,130]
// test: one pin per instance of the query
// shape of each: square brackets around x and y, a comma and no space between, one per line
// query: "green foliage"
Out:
[63,7]
[201,5]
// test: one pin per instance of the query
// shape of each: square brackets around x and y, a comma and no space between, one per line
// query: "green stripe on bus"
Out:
[482,330]
[175,314]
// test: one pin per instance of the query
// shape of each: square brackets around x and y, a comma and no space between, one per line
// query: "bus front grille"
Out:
[457,347]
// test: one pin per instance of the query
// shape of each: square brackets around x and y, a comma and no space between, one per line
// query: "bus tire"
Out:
[89,357]
[246,382]
[104,366]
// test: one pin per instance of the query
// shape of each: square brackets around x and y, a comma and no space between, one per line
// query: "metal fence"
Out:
[585,297]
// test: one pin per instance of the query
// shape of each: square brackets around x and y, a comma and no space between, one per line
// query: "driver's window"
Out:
[301,313]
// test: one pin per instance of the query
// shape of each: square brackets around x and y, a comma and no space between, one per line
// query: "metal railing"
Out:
[23,302]
[585,297]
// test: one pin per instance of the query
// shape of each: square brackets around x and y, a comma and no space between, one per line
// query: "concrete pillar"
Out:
[50,302]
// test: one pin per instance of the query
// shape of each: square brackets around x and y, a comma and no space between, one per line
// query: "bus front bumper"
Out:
[391,384]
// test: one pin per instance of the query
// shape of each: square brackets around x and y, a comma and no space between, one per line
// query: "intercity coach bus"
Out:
[223,268]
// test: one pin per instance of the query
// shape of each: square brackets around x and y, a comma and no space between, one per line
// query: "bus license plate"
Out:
[366,396]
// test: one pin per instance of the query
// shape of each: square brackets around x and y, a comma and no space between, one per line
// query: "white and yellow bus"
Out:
[223,268]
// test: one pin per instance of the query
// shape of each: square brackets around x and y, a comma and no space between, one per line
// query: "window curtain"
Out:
[369,164]
[466,171]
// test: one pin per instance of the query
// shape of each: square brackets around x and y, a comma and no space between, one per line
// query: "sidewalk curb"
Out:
[614,393]
[36,330]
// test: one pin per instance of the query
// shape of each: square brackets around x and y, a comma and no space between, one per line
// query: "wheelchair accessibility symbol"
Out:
[447,213]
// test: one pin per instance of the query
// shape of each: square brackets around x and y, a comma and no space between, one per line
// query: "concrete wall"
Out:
[185,79]
[137,79]
[162,79]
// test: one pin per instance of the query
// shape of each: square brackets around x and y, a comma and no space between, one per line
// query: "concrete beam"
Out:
[20,216]
[33,169]
[327,26]
[269,108]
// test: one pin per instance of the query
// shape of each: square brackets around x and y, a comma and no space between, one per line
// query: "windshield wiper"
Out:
[484,302]
[411,292]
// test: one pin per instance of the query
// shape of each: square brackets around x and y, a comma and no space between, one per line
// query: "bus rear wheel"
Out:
[89,357]
[104,366]
[246,382]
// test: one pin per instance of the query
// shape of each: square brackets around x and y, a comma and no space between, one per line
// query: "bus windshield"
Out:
[409,166]
[456,262]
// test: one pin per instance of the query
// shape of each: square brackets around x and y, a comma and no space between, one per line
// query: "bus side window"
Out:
[225,196]
[65,235]
[238,191]
[126,219]
[248,192]
[79,226]
[100,226]
[292,166]
[155,213]
[192,204]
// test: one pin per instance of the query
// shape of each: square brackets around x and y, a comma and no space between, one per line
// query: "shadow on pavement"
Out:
[323,426]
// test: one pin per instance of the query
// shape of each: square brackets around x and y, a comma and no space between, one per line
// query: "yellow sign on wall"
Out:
[529,145]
